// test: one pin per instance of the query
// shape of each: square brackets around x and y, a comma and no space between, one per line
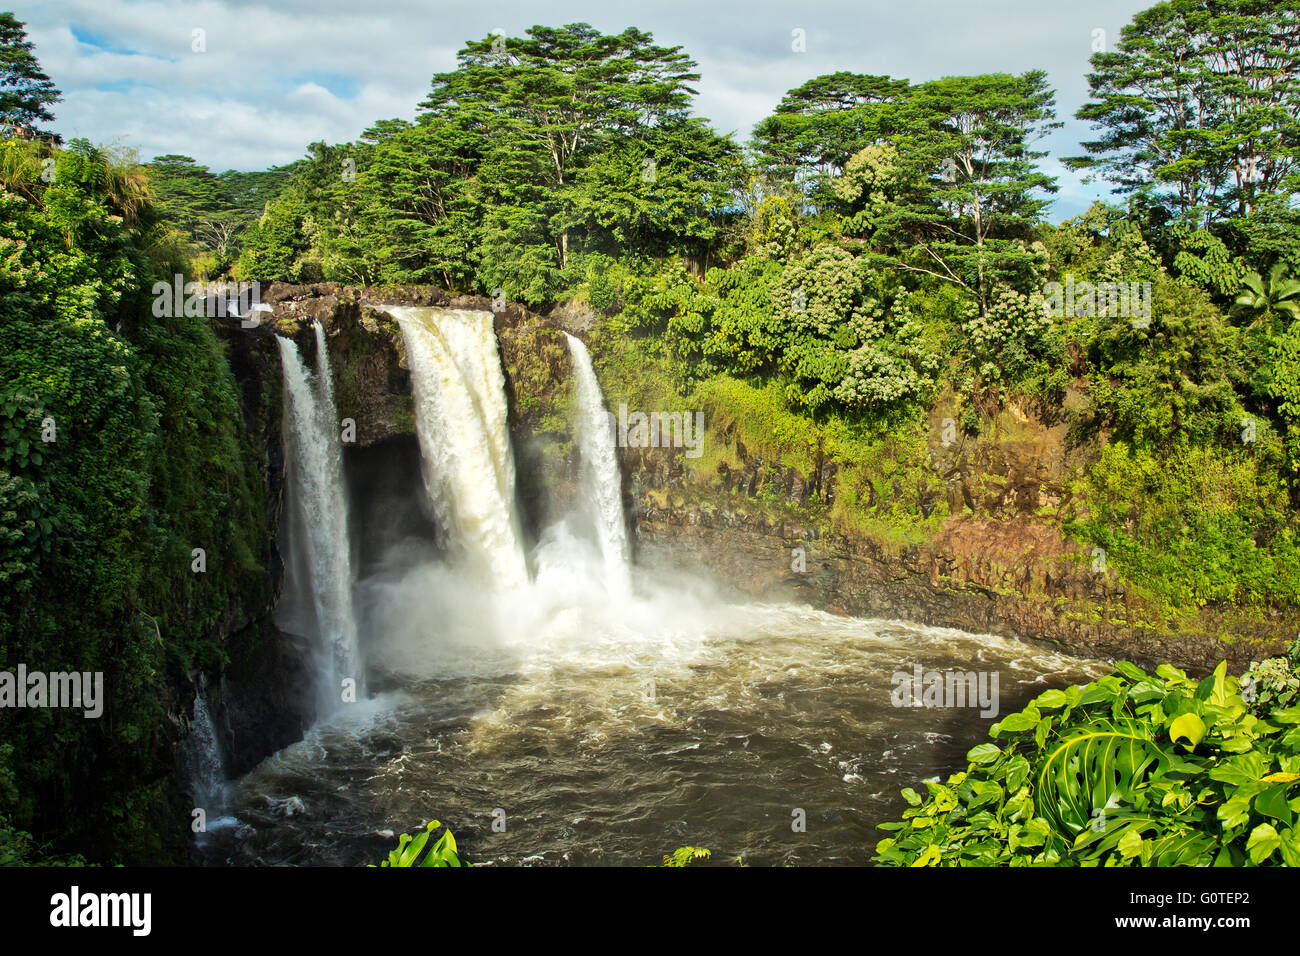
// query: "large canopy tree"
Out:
[956,191]
[818,126]
[1199,105]
[559,112]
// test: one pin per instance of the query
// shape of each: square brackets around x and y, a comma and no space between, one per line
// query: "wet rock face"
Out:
[372,379]
[973,591]
[256,696]
[264,698]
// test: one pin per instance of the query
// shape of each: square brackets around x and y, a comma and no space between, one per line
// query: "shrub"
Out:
[684,856]
[1133,769]
[1273,683]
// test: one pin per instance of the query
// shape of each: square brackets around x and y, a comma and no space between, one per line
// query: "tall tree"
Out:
[548,104]
[26,93]
[1199,105]
[955,194]
[186,194]
[422,204]
[819,125]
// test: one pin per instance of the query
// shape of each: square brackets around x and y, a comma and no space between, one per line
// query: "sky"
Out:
[246,85]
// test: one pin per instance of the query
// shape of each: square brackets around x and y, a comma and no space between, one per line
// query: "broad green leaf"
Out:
[1015,723]
[1051,698]
[1187,726]
[1272,803]
[1092,766]
[1263,841]
[1169,672]
[1234,812]
[1131,671]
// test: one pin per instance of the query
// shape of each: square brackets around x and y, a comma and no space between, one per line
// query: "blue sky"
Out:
[273,77]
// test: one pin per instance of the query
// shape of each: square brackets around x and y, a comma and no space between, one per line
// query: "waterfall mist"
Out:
[486,606]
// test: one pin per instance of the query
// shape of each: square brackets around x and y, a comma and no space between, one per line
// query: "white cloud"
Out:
[275,78]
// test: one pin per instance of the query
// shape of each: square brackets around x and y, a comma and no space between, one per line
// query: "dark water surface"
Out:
[612,741]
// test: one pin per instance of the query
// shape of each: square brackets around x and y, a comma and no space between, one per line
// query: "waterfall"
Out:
[204,765]
[316,460]
[600,476]
[460,418]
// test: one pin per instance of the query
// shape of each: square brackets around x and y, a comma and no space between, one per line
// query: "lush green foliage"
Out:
[417,851]
[122,451]
[1133,769]
[684,856]
[213,212]
[1206,526]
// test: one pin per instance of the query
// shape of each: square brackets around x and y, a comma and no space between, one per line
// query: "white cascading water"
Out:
[600,475]
[205,766]
[460,418]
[313,429]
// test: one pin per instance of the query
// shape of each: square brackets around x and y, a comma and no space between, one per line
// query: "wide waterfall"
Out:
[609,722]
[600,475]
[320,497]
[469,470]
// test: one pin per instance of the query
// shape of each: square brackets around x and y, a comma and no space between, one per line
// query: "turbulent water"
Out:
[553,719]
[461,421]
[320,502]
[600,476]
[613,733]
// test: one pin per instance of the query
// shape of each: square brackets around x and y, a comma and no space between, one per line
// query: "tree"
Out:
[660,193]
[421,208]
[956,192]
[26,93]
[186,194]
[246,194]
[818,126]
[545,107]
[1200,105]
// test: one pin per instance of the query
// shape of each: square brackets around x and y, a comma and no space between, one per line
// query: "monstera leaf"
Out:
[1101,765]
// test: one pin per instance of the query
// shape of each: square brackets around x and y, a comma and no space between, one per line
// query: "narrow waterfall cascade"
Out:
[469,469]
[320,497]
[204,764]
[602,483]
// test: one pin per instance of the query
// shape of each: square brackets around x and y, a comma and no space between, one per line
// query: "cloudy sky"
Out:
[276,76]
